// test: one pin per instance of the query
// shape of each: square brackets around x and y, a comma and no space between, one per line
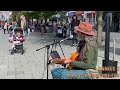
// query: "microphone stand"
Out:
[48,47]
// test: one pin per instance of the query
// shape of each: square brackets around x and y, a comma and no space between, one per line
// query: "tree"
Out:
[99,27]
[47,14]
[33,14]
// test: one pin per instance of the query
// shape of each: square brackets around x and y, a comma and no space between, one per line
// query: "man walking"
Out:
[75,22]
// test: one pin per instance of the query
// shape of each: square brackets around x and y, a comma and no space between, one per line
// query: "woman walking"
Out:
[6,27]
[24,25]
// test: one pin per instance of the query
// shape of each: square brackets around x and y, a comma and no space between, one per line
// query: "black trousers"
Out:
[65,32]
[5,30]
[74,38]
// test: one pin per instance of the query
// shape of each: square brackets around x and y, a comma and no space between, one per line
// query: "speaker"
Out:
[109,68]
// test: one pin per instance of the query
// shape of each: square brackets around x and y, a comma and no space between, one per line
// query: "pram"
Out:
[17,41]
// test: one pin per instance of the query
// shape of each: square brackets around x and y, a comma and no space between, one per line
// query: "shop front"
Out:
[90,16]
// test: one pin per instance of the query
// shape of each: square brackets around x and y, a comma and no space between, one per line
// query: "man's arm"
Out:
[89,61]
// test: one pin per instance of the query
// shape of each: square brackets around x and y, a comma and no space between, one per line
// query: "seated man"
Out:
[88,53]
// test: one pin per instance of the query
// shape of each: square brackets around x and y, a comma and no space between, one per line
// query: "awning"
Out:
[71,13]
[94,12]
[78,13]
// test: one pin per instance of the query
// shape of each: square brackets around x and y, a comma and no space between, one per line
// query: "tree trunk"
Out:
[99,27]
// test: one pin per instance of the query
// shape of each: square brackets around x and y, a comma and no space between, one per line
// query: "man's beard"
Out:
[80,38]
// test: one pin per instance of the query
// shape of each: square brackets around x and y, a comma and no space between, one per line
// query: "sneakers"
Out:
[74,45]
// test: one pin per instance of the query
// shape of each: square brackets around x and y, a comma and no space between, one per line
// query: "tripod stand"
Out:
[55,45]
[56,40]
[48,47]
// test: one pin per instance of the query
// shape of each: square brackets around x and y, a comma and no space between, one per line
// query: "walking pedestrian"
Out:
[6,27]
[42,25]
[10,28]
[75,22]
[18,21]
[66,29]
[24,25]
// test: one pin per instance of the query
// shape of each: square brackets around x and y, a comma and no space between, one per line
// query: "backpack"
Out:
[10,28]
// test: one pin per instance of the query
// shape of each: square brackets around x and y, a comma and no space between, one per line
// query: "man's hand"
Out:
[67,61]
[54,61]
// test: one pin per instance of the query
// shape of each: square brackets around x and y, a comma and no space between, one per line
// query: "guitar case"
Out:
[110,66]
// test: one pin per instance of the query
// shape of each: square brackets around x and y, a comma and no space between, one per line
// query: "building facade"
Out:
[1,16]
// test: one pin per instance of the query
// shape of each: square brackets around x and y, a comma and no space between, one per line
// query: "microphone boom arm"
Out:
[53,43]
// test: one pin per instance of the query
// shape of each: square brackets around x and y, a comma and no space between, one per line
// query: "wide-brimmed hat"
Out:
[85,27]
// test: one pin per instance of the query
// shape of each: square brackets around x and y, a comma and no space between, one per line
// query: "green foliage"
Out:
[33,14]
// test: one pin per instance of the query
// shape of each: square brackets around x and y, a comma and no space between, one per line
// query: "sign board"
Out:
[88,12]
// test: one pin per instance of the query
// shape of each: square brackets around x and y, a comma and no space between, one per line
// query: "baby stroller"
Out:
[17,39]
[59,31]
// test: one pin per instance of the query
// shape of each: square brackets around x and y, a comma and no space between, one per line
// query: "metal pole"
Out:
[48,47]
[92,18]
[57,18]
[95,18]
[113,49]
[107,39]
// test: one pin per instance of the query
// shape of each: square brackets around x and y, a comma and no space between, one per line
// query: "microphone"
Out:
[71,36]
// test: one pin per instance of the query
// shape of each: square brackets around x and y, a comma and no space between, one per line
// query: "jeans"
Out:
[74,38]
[25,33]
[64,73]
